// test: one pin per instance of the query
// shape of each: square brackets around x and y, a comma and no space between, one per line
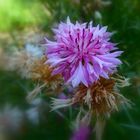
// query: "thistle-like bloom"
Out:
[82,53]
[102,98]
[82,133]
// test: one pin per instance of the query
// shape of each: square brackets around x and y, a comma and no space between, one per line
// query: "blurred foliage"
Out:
[39,16]
[16,14]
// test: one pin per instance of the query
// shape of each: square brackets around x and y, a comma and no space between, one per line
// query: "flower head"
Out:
[101,98]
[82,133]
[82,53]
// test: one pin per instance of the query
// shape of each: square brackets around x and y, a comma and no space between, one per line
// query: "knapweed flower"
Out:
[29,62]
[102,98]
[42,73]
[22,60]
[82,133]
[82,53]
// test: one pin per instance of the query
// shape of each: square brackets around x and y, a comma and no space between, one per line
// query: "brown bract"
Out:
[101,97]
[43,73]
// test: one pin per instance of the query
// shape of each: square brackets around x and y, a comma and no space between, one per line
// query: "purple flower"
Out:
[82,53]
[82,133]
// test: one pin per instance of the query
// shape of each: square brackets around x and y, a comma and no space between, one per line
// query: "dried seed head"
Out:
[22,60]
[42,72]
[101,97]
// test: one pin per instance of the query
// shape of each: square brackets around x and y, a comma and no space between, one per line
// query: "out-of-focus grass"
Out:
[17,14]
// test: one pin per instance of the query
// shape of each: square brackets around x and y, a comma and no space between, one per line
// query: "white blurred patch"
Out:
[34,51]
[33,115]
[36,101]
[10,118]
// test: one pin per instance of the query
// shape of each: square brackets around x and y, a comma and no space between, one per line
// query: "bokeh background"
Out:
[27,21]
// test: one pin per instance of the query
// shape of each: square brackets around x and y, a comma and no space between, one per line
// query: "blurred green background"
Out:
[22,21]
